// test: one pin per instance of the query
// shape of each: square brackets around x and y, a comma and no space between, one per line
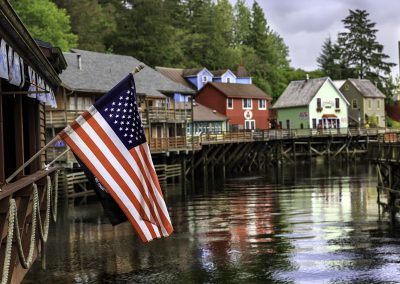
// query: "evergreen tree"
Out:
[329,60]
[46,21]
[91,21]
[360,49]
[242,25]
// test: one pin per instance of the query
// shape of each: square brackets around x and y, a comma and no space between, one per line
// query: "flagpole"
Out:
[55,139]
[137,69]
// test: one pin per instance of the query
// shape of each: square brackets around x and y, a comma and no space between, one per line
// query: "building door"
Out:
[250,124]
[288,124]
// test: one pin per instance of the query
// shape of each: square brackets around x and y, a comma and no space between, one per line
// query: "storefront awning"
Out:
[329,116]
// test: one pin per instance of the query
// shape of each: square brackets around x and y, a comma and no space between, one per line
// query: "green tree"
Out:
[91,21]
[329,60]
[360,49]
[46,21]
[242,24]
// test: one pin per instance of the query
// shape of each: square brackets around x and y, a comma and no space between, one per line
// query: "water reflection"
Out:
[310,222]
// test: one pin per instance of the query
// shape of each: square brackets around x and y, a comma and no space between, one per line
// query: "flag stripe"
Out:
[127,207]
[115,174]
[151,173]
[165,221]
[161,214]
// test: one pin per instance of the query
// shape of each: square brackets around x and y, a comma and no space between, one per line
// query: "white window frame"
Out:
[204,79]
[251,104]
[260,103]
[227,103]
[248,123]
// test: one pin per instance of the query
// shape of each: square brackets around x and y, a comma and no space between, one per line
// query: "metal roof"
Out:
[366,88]
[232,90]
[299,93]
[203,113]
[176,75]
[101,71]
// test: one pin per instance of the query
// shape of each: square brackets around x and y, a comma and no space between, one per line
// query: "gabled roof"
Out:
[232,90]
[203,113]
[299,93]
[338,83]
[176,75]
[192,72]
[101,71]
[366,88]
[219,73]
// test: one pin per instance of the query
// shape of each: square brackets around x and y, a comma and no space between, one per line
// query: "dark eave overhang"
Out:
[16,34]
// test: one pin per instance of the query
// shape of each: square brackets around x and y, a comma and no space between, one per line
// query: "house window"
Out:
[229,103]
[80,103]
[250,124]
[337,103]
[262,104]
[204,79]
[319,105]
[247,104]
[378,106]
[354,103]
[369,104]
[228,80]
[288,124]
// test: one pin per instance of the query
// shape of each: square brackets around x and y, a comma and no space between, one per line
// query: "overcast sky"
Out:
[305,24]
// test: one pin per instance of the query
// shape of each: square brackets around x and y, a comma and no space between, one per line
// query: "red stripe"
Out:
[115,175]
[150,167]
[166,224]
[128,168]
[93,169]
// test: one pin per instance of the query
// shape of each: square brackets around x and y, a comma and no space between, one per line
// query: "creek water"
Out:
[313,222]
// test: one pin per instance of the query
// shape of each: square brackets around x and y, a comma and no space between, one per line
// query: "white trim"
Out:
[262,108]
[249,121]
[251,103]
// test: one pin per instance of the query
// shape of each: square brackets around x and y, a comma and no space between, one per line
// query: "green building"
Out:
[312,103]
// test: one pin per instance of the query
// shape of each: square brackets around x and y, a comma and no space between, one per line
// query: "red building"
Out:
[246,106]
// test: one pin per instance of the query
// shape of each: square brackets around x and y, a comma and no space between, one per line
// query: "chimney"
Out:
[307,77]
[214,111]
[79,58]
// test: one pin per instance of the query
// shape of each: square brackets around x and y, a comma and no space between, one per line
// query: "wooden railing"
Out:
[158,145]
[25,206]
[60,118]
[282,134]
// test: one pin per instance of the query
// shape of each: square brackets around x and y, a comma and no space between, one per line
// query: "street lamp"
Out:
[359,118]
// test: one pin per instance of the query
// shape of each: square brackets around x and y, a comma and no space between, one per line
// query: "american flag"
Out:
[109,139]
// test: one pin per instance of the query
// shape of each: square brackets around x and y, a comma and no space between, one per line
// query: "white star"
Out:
[121,97]
[126,129]
[118,109]
[115,121]
[127,98]
[119,103]
[112,109]
[122,123]
[123,116]
[130,141]
[131,135]
[117,116]
[125,104]
[125,135]
[124,110]
[120,129]
[113,103]
[106,109]
[111,115]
